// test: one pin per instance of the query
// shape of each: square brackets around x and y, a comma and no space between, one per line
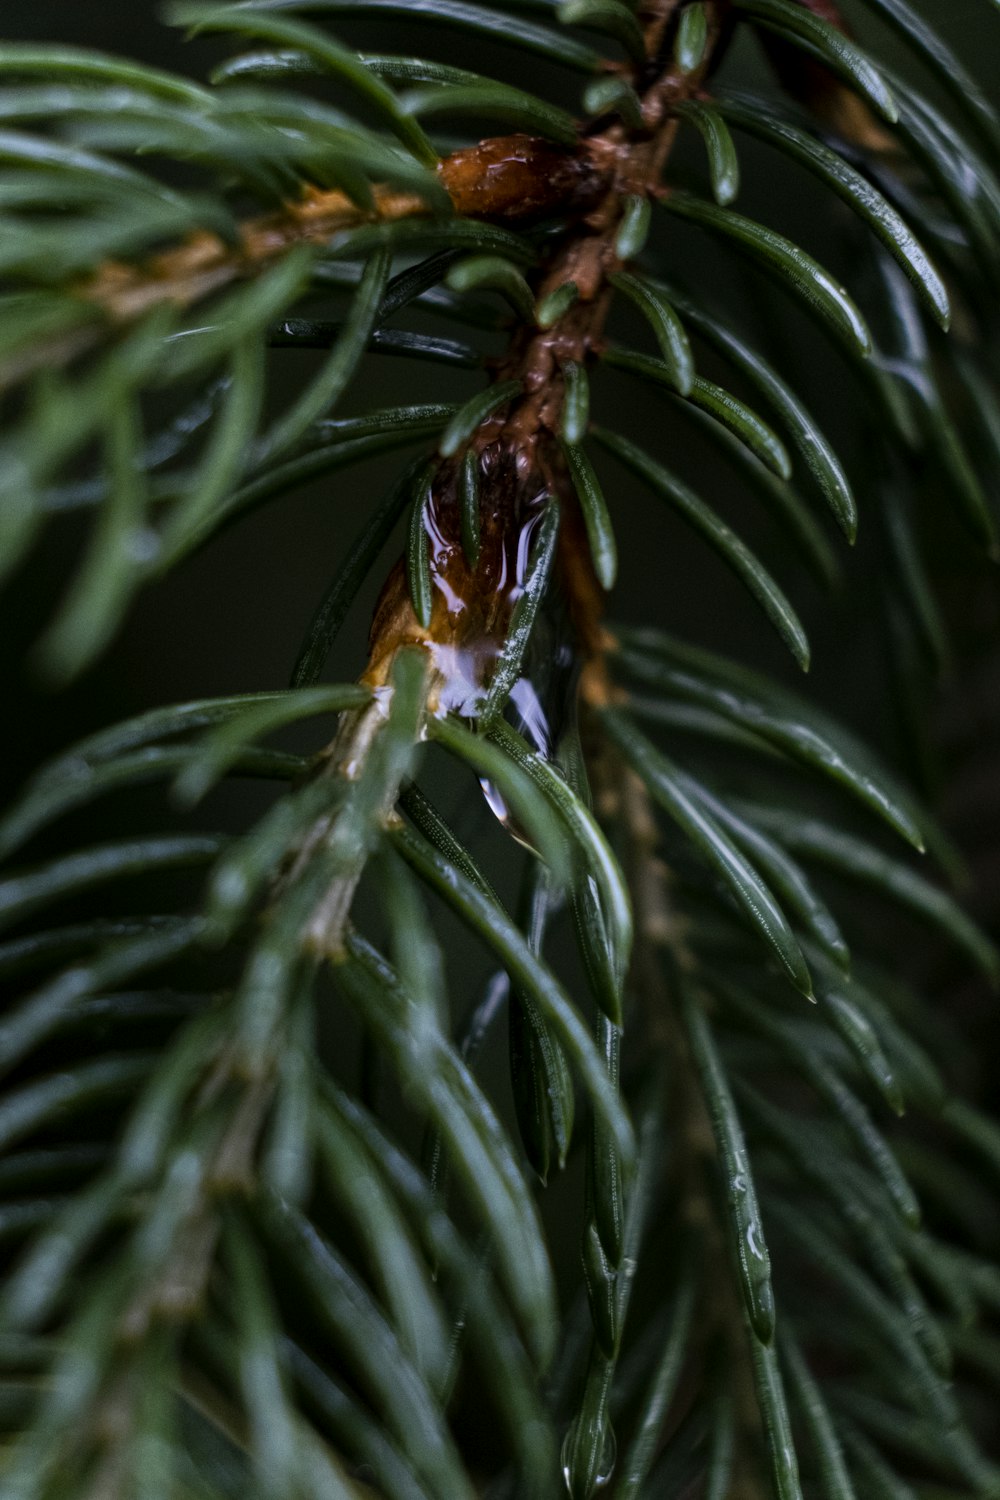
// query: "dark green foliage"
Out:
[275,1223]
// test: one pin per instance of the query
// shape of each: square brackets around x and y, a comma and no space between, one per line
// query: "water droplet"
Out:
[530,717]
[588,1459]
[500,808]
[496,802]
[609,1457]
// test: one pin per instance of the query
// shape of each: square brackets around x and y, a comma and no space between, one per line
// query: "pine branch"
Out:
[234,1271]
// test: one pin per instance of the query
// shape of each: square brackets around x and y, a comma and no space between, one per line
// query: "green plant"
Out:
[243,1263]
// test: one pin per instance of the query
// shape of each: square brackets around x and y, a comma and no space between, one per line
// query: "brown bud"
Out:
[520,177]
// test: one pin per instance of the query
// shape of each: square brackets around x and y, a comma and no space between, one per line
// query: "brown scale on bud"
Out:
[821,91]
[518,177]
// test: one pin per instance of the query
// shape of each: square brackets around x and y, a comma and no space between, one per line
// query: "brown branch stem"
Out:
[518,449]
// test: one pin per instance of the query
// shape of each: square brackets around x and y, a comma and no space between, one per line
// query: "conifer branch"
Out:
[237,1270]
